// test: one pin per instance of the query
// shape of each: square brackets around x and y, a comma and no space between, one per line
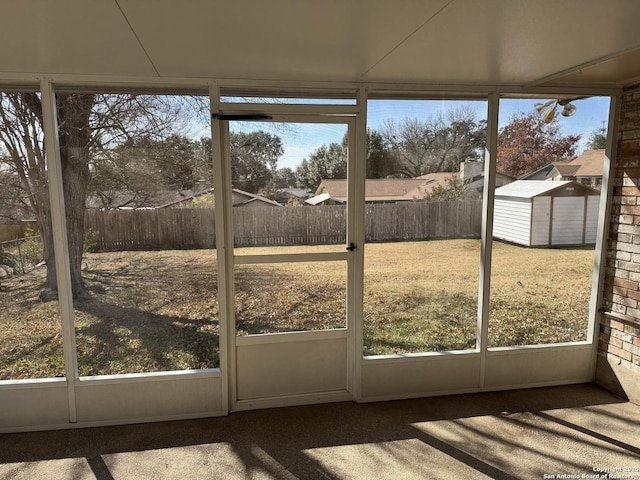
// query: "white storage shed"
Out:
[546,213]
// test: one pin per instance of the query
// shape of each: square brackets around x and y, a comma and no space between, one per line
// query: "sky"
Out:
[302,139]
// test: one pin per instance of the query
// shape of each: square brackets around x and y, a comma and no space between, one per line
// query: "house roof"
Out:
[387,189]
[164,199]
[541,173]
[296,192]
[566,169]
[119,199]
[250,198]
[480,177]
[589,164]
[437,177]
[534,188]
[488,42]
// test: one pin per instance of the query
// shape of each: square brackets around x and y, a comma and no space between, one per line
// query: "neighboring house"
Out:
[387,190]
[585,169]
[546,172]
[439,178]
[394,190]
[124,200]
[291,196]
[589,169]
[239,198]
[472,175]
[175,199]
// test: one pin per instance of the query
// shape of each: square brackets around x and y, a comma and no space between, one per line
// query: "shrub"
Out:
[90,242]
[9,260]
[32,250]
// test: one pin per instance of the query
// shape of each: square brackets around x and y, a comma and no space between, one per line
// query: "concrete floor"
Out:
[561,432]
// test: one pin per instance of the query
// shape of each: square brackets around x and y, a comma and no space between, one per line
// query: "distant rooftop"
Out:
[387,189]
[590,163]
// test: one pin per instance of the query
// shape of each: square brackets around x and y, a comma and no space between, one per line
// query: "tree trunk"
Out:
[46,234]
[21,127]
[75,133]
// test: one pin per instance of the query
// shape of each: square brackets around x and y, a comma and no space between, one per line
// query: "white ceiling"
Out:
[466,42]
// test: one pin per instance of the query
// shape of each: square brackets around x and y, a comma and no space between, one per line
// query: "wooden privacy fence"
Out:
[185,228]
[13,231]
[422,220]
[159,229]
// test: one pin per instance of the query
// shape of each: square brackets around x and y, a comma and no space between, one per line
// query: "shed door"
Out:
[540,221]
[568,221]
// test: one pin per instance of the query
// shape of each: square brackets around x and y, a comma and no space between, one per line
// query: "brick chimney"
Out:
[470,169]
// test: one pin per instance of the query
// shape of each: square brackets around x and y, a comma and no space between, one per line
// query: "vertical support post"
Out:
[224,248]
[604,220]
[356,227]
[60,242]
[488,196]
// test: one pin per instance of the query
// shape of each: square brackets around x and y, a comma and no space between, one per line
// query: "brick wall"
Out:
[619,345]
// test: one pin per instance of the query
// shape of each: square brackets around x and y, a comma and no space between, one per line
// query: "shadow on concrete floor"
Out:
[571,430]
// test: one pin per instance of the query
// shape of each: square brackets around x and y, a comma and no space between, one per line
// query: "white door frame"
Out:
[336,341]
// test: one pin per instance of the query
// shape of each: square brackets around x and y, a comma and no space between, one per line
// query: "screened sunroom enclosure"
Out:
[224,206]
[255,321]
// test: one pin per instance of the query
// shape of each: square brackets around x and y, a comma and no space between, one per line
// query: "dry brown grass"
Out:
[155,311]
[422,296]
[31,339]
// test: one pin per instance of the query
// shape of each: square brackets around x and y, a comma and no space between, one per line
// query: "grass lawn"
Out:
[423,296]
[154,311]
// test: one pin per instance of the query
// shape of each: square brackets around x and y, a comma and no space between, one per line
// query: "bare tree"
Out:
[22,139]
[438,144]
[88,125]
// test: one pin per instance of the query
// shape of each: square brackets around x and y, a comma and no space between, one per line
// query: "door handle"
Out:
[351,247]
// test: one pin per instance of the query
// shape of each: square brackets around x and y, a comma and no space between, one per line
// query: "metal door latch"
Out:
[351,247]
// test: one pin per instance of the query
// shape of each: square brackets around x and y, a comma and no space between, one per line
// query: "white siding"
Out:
[593,208]
[541,220]
[512,220]
[568,220]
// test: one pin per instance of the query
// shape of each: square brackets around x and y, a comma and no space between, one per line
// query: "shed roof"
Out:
[534,188]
